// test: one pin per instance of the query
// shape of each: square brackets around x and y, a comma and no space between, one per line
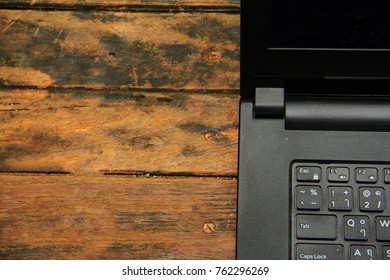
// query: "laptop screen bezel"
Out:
[264,66]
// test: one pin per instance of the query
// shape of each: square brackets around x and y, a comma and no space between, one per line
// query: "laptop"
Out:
[314,151]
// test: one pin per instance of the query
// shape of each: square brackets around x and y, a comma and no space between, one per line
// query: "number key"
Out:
[372,199]
[340,198]
[387,175]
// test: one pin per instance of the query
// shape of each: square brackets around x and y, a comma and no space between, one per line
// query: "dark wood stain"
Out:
[190,151]
[81,49]
[30,252]
[148,221]
[118,129]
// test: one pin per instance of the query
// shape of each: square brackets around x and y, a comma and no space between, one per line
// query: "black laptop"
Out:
[314,155]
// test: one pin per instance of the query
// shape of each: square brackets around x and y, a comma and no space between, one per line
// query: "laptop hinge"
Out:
[320,112]
[269,103]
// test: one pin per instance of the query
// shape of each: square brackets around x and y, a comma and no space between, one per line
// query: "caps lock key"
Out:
[319,252]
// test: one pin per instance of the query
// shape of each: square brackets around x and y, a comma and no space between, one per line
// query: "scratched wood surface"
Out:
[118,132]
[62,217]
[115,49]
[118,129]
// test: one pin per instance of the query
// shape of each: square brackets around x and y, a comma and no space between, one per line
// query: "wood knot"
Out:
[211,136]
[212,56]
[209,228]
[215,136]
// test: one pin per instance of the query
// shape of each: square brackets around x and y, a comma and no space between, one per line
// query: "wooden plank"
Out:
[70,217]
[84,132]
[119,50]
[183,4]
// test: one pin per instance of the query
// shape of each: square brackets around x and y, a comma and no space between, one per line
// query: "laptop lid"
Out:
[284,41]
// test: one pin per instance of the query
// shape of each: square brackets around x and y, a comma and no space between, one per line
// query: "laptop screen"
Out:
[284,40]
[329,24]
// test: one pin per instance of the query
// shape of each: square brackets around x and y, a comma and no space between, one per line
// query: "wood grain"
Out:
[72,217]
[124,4]
[119,50]
[85,132]
[143,88]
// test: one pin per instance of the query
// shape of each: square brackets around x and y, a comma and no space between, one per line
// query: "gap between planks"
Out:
[123,174]
[133,8]
[122,89]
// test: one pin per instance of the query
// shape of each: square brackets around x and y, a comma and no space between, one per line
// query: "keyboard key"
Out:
[308,197]
[362,252]
[383,228]
[356,227]
[386,252]
[316,226]
[372,199]
[308,174]
[340,210]
[366,175]
[319,252]
[338,174]
[387,175]
[340,198]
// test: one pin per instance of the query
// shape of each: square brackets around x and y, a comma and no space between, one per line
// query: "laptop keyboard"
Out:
[340,211]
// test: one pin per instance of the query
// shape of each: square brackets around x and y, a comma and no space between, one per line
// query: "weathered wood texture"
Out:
[62,217]
[119,50]
[101,4]
[118,132]
[106,92]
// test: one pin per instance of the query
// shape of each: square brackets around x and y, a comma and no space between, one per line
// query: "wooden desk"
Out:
[118,132]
